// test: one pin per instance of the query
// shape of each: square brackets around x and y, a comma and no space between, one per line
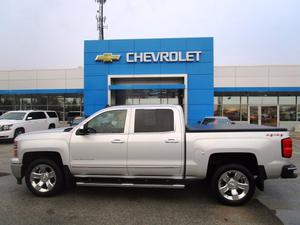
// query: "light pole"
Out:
[100,18]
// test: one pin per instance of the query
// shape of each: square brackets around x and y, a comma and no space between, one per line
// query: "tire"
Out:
[18,132]
[51,126]
[233,184]
[44,177]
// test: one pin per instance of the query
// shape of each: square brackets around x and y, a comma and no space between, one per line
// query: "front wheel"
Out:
[233,184]
[44,177]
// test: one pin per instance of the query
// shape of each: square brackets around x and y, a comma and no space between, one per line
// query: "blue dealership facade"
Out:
[150,71]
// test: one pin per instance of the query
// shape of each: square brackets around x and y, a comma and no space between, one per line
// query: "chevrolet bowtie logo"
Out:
[107,57]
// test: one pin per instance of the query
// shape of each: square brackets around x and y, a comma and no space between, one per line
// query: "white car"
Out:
[14,123]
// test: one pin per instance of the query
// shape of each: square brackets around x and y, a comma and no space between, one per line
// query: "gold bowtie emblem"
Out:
[107,57]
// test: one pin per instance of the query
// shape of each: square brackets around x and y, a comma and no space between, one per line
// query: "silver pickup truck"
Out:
[150,146]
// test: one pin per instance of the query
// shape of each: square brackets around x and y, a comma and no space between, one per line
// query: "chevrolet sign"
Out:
[148,57]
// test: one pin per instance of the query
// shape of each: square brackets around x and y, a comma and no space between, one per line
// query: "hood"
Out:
[58,133]
[7,122]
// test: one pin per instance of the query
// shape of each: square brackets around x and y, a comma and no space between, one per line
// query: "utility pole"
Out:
[100,18]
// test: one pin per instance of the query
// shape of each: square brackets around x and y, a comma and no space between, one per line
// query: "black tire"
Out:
[45,190]
[234,185]
[51,126]
[18,132]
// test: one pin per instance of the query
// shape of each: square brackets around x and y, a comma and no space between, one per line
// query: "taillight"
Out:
[286,147]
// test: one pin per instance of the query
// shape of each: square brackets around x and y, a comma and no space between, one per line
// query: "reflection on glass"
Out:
[232,112]
[269,116]
[253,115]
[287,113]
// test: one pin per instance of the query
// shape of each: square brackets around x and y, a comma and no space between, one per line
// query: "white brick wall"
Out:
[225,76]
[257,76]
[41,79]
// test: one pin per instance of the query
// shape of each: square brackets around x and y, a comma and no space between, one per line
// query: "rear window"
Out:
[153,120]
[52,114]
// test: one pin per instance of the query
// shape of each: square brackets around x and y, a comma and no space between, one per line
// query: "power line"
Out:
[100,18]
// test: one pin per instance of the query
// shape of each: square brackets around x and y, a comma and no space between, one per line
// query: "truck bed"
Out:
[233,128]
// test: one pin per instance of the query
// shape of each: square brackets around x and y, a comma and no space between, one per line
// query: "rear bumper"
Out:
[288,171]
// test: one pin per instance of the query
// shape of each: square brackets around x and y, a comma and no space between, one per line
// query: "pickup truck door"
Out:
[103,150]
[155,143]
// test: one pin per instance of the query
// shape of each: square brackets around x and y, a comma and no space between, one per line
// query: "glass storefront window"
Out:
[287,112]
[218,100]
[231,100]
[39,100]
[262,100]
[244,100]
[232,112]
[287,100]
[244,112]
[217,110]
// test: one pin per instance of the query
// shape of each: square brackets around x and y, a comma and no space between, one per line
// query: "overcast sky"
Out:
[50,33]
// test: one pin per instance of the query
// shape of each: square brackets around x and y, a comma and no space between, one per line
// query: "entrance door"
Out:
[263,115]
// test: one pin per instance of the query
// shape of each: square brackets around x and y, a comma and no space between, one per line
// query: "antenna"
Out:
[100,18]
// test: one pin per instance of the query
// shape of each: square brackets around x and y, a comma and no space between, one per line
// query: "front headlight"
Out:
[6,127]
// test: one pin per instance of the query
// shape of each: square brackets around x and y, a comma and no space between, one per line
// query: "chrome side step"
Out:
[172,186]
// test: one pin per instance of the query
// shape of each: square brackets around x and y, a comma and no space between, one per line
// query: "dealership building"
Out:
[159,71]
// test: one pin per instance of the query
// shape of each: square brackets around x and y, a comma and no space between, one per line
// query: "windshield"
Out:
[12,116]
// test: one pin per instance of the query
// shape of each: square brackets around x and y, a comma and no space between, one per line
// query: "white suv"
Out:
[14,123]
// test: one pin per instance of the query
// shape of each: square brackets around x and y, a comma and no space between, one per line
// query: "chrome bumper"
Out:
[16,169]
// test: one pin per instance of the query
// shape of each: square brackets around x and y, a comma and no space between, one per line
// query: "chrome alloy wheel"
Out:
[233,185]
[43,178]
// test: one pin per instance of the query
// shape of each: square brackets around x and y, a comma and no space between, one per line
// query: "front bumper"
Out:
[16,169]
[288,171]
[6,134]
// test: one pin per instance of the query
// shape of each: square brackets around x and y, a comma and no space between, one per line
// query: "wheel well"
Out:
[245,159]
[30,156]
[52,124]
[20,128]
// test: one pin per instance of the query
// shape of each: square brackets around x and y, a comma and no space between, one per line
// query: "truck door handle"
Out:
[171,140]
[117,141]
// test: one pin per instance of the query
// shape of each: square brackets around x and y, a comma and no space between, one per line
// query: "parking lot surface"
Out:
[194,205]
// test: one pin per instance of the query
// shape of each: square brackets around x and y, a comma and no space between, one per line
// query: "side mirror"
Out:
[29,118]
[82,131]
[199,121]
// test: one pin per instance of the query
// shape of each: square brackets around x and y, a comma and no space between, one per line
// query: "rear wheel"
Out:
[44,177]
[233,184]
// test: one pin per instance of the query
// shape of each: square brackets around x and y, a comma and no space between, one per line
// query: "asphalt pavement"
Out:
[194,205]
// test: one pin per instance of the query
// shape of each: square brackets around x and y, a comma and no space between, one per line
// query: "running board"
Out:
[172,186]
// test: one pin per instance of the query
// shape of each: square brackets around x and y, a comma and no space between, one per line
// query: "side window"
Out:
[32,115]
[36,115]
[108,122]
[40,115]
[153,120]
[52,114]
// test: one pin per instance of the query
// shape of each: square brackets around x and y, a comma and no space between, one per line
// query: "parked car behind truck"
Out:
[14,123]
[150,146]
